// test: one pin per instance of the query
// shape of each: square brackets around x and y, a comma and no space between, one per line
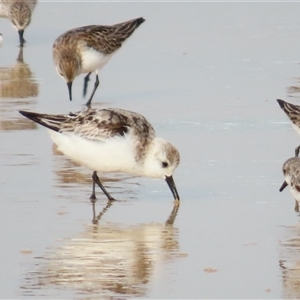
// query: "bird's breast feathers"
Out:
[92,59]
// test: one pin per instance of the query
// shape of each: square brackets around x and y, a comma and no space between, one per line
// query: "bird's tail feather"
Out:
[50,121]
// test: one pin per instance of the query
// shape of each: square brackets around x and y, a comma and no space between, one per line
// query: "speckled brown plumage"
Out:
[105,39]
[291,172]
[87,49]
[100,124]
[292,111]
[19,13]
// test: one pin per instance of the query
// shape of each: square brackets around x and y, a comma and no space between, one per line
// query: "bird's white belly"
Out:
[113,155]
[93,60]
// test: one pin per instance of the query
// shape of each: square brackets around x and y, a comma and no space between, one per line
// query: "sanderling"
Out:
[19,12]
[1,38]
[291,172]
[111,140]
[87,49]
[293,112]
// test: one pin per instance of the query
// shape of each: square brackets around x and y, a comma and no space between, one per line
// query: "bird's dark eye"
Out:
[164,164]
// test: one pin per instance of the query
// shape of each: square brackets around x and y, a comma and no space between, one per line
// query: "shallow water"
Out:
[206,75]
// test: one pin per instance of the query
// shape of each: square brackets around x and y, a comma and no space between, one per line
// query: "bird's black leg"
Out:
[22,40]
[297,150]
[97,180]
[296,206]
[88,104]
[93,196]
[85,85]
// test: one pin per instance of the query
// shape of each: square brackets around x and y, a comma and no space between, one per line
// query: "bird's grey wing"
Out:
[108,39]
[99,125]
[96,125]
[292,111]
[100,38]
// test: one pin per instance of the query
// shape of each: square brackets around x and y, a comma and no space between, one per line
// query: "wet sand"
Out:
[206,75]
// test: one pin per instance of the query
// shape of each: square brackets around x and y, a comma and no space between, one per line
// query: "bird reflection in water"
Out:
[18,81]
[18,89]
[107,261]
[96,218]
[290,263]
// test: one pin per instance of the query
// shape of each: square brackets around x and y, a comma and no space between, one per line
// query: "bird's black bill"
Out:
[172,186]
[22,41]
[284,185]
[69,84]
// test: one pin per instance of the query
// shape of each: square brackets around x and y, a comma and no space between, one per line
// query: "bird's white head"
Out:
[287,169]
[290,168]
[162,159]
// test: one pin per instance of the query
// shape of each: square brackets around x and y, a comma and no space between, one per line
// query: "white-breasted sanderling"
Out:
[87,49]
[19,13]
[293,112]
[291,172]
[111,140]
